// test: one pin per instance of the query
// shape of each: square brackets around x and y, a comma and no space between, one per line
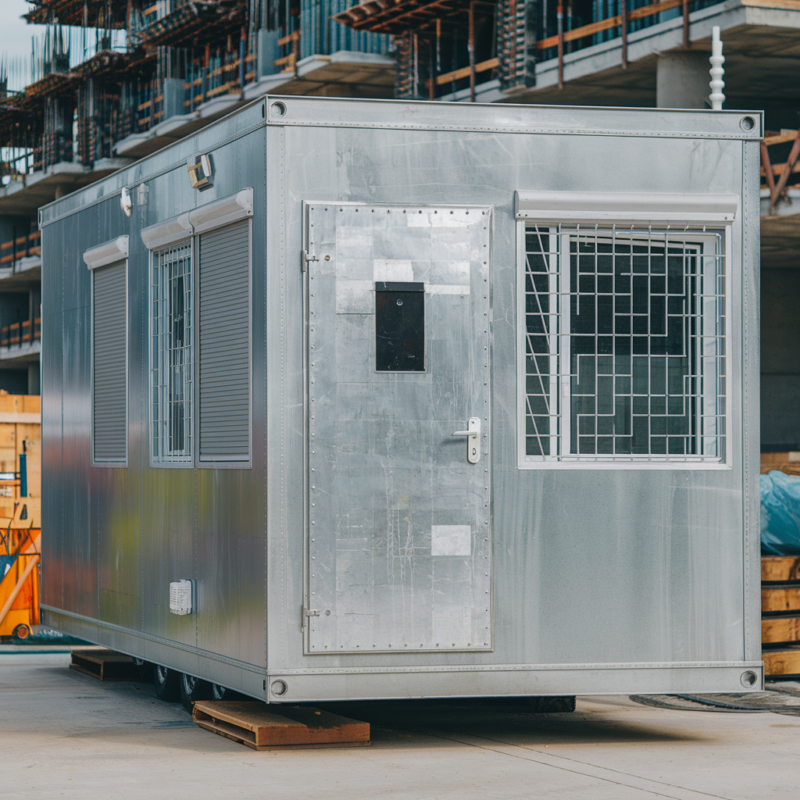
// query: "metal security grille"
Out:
[224,344]
[624,344]
[171,353]
[110,364]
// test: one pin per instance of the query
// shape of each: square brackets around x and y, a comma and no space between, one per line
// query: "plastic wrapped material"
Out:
[780,514]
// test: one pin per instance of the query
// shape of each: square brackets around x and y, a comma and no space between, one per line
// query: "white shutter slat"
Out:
[224,344]
[110,353]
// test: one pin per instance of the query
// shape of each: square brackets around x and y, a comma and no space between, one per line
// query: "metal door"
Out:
[399,525]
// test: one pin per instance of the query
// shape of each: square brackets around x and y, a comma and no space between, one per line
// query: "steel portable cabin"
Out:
[419,399]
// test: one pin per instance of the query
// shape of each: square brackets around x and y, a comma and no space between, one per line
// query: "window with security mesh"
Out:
[624,344]
[171,331]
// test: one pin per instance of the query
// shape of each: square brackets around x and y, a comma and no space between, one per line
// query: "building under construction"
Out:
[114,80]
[633,53]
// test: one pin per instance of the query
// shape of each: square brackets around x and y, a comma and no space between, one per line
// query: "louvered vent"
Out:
[225,344]
[110,364]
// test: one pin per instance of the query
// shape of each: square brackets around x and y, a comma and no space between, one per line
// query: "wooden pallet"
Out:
[782,663]
[775,630]
[784,597]
[780,593]
[780,615]
[782,462]
[105,665]
[780,569]
[265,727]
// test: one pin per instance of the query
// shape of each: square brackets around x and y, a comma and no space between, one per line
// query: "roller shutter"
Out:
[110,364]
[224,346]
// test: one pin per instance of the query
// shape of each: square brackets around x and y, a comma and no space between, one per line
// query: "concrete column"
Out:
[34,380]
[682,80]
[174,95]
[268,51]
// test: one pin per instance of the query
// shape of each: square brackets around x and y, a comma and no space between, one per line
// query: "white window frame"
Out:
[675,211]
[173,458]
[187,227]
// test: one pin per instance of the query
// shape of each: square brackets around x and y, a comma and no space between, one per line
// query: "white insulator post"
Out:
[717,60]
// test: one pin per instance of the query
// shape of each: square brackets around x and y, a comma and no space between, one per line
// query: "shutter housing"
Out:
[110,364]
[224,344]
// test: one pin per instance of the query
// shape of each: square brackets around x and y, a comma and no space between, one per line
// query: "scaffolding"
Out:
[105,70]
[450,47]
[440,45]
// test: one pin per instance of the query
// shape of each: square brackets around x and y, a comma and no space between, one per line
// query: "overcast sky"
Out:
[15,33]
[15,41]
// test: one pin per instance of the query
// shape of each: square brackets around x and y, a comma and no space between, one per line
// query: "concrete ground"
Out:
[63,734]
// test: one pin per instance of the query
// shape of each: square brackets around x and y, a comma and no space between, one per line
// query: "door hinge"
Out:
[306,258]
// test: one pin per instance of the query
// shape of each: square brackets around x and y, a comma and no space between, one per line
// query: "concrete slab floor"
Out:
[63,734]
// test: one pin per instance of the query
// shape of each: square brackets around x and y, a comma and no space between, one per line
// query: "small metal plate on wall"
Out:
[399,528]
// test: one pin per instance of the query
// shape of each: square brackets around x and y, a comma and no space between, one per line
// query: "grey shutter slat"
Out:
[224,349]
[110,364]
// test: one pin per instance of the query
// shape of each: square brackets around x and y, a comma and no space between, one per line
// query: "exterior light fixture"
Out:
[200,171]
[125,201]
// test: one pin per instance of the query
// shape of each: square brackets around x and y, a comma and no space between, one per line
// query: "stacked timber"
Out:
[20,514]
[782,462]
[780,592]
[20,433]
[780,615]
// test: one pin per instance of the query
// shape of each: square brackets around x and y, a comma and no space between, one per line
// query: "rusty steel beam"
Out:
[415,63]
[767,164]
[787,171]
[438,46]
[471,47]
[389,20]
[686,42]
[623,15]
[560,18]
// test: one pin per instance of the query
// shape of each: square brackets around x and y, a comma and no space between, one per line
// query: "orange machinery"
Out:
[19,559]
[20,514]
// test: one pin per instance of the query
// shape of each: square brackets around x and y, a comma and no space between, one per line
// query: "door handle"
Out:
[473,437]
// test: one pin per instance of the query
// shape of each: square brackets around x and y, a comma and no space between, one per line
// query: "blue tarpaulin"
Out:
[780,514]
